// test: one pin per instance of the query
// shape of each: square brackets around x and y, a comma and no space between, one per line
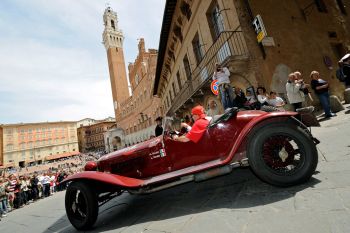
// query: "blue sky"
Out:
[53,64]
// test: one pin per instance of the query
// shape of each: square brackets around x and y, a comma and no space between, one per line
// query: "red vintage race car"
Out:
[278,146]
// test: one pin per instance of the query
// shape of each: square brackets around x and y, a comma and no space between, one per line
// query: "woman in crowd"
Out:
[262,95]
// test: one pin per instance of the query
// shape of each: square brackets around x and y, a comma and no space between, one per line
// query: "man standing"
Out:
[320,87]
[159,128]
[198,128]
[222,74]
[294,93]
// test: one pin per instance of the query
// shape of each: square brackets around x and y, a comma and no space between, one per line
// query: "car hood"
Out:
[131,151]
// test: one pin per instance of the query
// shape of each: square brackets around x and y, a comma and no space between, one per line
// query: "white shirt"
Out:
[262,98]
[46,180]
[276,102]
[293,93]
[52,179]
[251,99]
[222,76]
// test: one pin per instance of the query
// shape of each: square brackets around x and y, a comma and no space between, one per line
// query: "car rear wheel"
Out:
[81,205]
[282,154]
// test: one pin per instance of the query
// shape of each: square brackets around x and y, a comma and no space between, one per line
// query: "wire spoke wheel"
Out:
[282,154]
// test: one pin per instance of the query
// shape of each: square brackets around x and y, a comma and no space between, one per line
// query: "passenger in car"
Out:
[198,128]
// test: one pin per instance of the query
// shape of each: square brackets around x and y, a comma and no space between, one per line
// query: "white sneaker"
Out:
[4,215]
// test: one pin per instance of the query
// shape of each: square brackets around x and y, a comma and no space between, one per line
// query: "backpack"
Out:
[340,75]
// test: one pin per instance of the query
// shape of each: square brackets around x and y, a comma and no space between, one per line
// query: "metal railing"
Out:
[229,45]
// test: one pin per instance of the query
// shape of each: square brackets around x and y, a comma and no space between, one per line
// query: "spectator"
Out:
[46,185]
[262,95]
[251,102]
[29,186]
[275,101]
[34,183]
[159,127]
[305,89]
[320,87]
[222,74]
[213,109]
[3,197]
[294,93]
[52,183]
[240,99]
[23,190]
[17,201]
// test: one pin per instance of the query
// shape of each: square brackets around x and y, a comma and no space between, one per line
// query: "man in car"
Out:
[198,128]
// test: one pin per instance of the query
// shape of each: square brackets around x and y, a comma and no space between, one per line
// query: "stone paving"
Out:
[238,202]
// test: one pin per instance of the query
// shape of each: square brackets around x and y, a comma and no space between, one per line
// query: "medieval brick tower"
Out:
[113,42]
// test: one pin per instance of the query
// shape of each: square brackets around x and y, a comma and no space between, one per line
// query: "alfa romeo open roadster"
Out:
[277,146]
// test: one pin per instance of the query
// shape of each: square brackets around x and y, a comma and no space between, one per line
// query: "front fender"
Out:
[248,127]
[106,178]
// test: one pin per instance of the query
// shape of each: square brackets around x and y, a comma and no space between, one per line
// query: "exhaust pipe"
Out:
[219,171]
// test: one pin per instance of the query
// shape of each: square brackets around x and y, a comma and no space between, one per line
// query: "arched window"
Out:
[112,24]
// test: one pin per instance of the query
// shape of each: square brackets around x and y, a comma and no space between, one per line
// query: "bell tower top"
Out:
[112,36]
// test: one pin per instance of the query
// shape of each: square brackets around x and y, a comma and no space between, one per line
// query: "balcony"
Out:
[229,46]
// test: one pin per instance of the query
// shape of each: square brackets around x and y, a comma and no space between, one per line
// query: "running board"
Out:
[205,175]
[183,172]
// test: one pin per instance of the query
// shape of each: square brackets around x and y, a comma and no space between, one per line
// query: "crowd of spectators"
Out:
[22,186]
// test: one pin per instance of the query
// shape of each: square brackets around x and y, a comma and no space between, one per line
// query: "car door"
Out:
[157,162]
[186,154]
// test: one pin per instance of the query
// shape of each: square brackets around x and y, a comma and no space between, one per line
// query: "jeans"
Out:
[324,100]
[227,96]
[3,207]
[46,190]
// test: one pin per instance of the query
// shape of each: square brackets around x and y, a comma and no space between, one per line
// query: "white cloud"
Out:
[53,65]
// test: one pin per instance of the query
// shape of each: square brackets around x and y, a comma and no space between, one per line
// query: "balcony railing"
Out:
[229,45]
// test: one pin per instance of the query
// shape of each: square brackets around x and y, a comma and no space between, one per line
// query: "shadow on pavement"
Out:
[324,119]
[237,191]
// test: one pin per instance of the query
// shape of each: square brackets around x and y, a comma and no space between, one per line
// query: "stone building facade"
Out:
[91,137]
[34,143]
[136,114]
[301,35]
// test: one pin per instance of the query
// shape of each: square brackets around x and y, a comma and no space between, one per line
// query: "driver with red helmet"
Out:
[198,128]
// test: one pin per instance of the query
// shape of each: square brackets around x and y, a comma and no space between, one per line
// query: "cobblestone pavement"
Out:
[238,202]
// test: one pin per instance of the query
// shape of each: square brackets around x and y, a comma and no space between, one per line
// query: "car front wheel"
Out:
[282,154]
[81,205]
